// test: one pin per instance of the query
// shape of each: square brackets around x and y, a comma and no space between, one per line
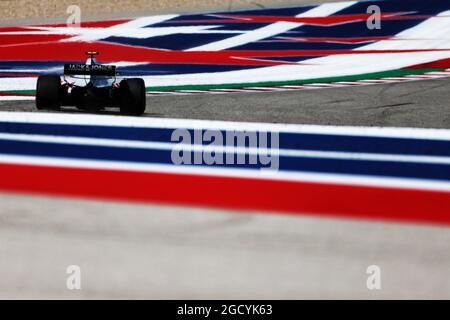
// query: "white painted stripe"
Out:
[250,89]
[18,83]
[385,80]
[191,91]
[396,79]
[224,149]
[325,85]
[172,93]
[15,98]
[382,80]
[287,88]
[335,179]
[310,87]
[421,76]
[273,29]
[349,83]
[217,92]
[229,90]
[130,28]
[361,156]
[149,122]
[437,76]
[267,88]
[444,74]
[373,81]
[157,92]
[225,90]
[294,87]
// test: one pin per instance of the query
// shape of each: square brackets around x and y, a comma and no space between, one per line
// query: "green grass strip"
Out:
[21,91]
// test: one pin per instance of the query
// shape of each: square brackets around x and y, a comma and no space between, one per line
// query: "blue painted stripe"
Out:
[290,141]
[439,172]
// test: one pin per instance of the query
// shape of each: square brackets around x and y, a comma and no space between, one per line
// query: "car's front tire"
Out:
[48,92]
[132,97]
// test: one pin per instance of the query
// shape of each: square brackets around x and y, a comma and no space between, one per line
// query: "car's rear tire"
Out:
[132,97]
[48,92]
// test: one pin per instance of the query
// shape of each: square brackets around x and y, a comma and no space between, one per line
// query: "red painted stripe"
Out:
[87,24]
[15,39]
[13,29]
[231,193]
[438,64]
[15,94]
[72,51]
[24,38]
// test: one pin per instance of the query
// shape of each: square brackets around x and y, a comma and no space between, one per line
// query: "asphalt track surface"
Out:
[421,104]
[151,251]
[134,251]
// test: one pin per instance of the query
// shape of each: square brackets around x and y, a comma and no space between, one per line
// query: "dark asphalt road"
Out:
[424,103]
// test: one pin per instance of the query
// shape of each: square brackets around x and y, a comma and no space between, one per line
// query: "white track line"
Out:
[170,146]
[348,83]
[15,98]
[131,27]
[149,122]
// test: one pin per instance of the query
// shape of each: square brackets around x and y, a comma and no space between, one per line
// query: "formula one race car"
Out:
[94,88]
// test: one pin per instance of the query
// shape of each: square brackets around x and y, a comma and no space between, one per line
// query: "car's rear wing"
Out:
[89,70]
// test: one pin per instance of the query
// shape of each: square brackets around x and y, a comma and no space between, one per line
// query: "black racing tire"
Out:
[132,97]
[48,92]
